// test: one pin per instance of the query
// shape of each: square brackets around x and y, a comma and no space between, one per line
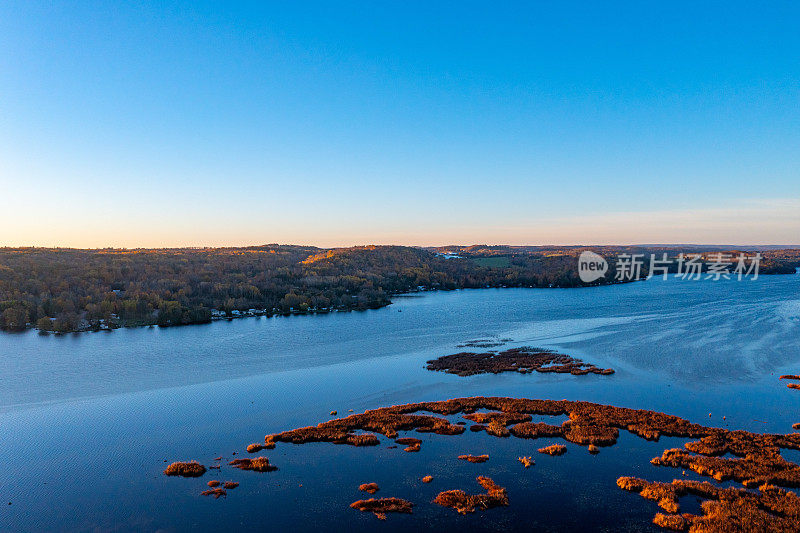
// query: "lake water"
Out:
[88,420]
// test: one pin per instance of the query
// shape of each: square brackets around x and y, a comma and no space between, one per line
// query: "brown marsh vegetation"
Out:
[372,488]
[526,461]
[464,503]
[723,509]
[216,493]
[258,464]
[474,458]
[523,360]
[381,506]
[411,444]
[185,469]
[257,447]
[554,449]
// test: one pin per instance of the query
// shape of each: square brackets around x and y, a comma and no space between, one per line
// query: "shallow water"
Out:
[89,419]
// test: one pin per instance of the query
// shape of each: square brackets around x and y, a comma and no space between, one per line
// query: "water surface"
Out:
[89,419]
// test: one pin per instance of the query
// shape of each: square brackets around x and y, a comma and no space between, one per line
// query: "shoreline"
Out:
[268,314]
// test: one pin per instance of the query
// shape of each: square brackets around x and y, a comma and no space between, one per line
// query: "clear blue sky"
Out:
[337,123]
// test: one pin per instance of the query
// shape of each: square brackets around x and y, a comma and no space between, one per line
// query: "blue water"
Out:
[88,420]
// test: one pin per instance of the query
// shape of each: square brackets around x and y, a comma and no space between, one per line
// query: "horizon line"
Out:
[499,245]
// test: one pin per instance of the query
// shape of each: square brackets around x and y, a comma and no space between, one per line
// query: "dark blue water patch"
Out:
[791,455]
[553,420]
[691,504]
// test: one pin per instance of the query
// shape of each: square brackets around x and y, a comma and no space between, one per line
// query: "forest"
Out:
[66,290]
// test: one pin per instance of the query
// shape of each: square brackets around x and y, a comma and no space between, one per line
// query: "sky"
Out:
[160,124]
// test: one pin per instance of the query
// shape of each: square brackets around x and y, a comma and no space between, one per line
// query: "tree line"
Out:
[67,290]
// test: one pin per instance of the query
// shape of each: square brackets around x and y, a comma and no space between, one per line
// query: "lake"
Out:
[88,420]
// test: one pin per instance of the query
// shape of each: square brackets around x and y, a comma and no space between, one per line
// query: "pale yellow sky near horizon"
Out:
[762,222]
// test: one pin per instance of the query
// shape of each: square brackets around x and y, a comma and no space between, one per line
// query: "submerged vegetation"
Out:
[65,290]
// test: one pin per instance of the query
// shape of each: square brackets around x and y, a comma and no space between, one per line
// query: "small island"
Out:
[523,360]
